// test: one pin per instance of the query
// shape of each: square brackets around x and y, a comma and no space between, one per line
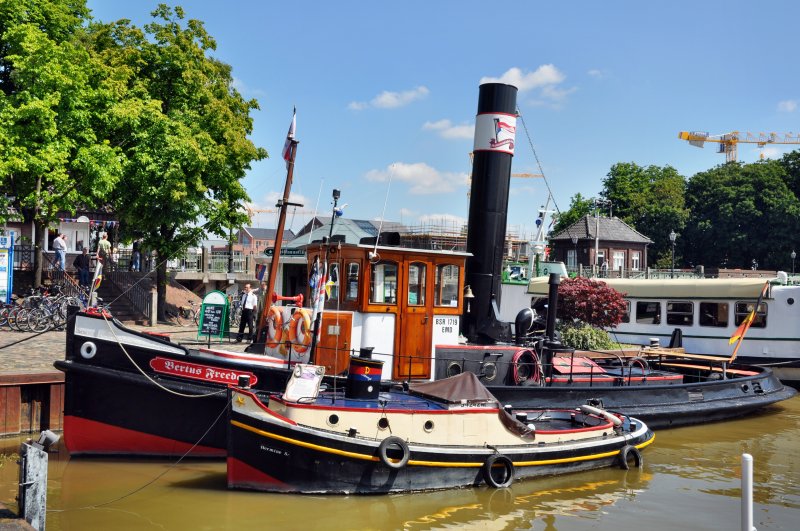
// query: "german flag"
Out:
[738,335]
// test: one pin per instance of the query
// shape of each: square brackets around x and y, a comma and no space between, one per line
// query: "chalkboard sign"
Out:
[212,315]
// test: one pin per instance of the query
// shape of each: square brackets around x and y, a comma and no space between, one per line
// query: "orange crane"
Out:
[728,141]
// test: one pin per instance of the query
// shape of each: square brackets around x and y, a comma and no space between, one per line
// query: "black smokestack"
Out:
[495,136]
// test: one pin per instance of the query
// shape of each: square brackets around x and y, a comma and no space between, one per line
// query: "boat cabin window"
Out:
[351,288]
[714,314]
[648,312]
[626,318]
[680,313]
[383,288]
[743,309]
[446,284]
[416,284]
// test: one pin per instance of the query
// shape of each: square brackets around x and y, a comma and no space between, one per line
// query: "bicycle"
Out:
[187,315]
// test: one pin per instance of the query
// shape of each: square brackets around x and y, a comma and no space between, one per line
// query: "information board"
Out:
[212,315]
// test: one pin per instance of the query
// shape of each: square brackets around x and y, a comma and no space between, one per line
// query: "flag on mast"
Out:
[317,282]
[738,335]
[287,146]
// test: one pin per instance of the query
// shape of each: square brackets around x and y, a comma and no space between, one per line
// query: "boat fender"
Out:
[627,452]
[640,362]
[612,418]
[383,452]
[88,350]
[274,327]
[300,330]
[506,479]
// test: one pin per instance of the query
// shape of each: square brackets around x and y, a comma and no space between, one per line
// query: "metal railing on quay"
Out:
[132,286]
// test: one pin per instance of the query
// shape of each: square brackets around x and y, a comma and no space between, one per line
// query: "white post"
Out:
[747,493]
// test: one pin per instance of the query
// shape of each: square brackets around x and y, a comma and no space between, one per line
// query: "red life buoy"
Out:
[300,330]
[274,327]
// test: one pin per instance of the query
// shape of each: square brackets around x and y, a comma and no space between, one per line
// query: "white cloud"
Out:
[596,73]
[390,100]
[771,152]
[542,76]
[787,105]
[545,81]
[422,179]
[246,91]
[446,129]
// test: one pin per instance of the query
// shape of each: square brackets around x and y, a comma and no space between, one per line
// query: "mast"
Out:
[289,153]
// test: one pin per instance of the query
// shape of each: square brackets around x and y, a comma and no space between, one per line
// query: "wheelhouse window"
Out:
[416,284]
[446,286]
[648,312]
[743,309]
[351,288]
[333,281]
[383,287]
[680,313]
[714,314]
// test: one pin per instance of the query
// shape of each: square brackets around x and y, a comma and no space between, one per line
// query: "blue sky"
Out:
[391,89]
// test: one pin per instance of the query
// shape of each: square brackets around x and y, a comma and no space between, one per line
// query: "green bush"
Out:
[581,336]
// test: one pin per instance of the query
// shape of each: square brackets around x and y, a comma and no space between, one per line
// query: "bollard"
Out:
[747,493]
[33,479]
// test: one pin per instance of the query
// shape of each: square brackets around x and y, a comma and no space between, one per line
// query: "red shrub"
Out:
[590,301]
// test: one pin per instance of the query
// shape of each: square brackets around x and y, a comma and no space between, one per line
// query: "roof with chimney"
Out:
[610,229]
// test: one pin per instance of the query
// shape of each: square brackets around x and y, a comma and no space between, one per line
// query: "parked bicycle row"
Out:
[41,310]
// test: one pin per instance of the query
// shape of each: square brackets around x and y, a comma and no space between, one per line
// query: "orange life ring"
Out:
[300,327]
[274,327]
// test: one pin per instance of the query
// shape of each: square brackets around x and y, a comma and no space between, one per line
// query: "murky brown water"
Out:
[691,480]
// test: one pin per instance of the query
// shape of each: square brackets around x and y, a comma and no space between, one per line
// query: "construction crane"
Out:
[728,141]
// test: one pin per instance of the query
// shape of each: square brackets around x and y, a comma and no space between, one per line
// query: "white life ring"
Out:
[88,350]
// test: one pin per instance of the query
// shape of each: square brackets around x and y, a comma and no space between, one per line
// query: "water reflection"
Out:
[691,480]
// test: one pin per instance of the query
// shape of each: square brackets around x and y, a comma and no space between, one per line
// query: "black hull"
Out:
[111,408]
[277,458]
[659,406]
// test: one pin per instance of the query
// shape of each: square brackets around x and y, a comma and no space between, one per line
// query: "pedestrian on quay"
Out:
[60,247]
[82,264]
[103,249]
[136,256]
[249,303]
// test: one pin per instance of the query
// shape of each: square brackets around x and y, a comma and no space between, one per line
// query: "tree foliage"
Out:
[54,96]
[740,213]
[578,208]
[590,301]
[651,199]
[182,130]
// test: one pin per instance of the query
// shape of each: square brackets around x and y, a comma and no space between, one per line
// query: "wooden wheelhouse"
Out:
[398,301]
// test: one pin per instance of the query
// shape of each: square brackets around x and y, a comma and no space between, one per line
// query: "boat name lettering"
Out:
[450,321]
[273,450]
[199,372]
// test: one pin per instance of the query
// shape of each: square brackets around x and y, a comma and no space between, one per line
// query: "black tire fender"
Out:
[508,471]
[627,452]
[383,452]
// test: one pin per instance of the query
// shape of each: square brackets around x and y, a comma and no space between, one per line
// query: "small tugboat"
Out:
[435,435]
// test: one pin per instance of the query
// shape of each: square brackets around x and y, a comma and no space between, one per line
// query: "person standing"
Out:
[136,256]
[60,247]
[249,303]
[103,249]
[82,264]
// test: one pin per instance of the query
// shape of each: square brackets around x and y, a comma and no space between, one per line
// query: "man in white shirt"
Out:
[249,303]
[60,247]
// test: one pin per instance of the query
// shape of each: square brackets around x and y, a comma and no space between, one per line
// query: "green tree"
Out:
[740,213]
[650,199]
[578,208]
[53,98]
[182,130]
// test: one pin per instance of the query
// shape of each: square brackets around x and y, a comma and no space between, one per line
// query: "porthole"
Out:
[790,301]
[489,371]
[333,420]
[453,369]
[428,426]
[383,423]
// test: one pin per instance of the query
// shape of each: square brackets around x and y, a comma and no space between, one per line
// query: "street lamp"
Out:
[793,255]
[672,237]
